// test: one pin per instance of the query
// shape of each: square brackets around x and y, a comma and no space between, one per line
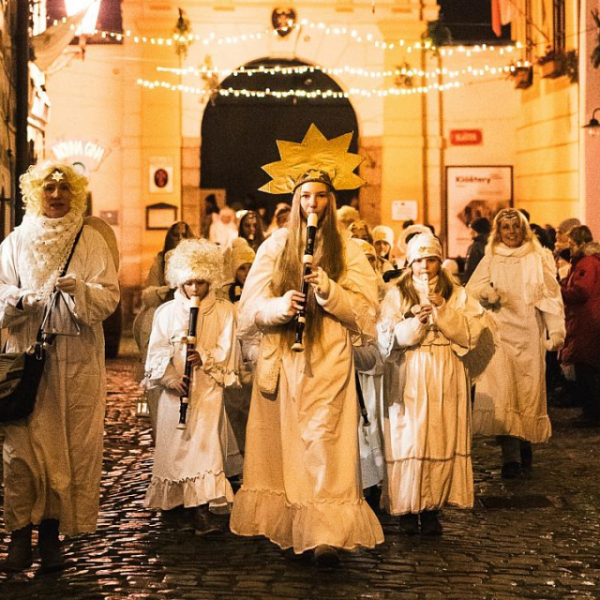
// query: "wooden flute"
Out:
[307,260]
[190,342]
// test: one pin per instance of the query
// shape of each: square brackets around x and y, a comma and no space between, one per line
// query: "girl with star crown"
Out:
[301,485]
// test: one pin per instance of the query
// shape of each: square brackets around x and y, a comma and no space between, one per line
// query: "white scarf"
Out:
[48,244]
[532,270]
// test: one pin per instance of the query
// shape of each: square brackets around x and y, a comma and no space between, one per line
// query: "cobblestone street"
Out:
[536,538]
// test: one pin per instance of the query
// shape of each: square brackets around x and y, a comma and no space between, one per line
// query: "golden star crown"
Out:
[315,154]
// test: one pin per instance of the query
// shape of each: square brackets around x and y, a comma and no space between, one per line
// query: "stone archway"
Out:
[239,133]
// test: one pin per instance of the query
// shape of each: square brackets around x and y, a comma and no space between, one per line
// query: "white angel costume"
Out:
[302,484]
[191,465]
[510,397]
[53,459]
[428,425]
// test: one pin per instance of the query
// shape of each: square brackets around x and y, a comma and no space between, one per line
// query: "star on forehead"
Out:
[57,175]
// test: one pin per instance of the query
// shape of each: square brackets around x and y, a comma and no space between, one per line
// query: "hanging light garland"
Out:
[315,94]
[305,24]
[280,70]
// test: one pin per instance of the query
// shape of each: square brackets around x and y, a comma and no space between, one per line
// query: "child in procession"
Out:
[191,464]
[427,325]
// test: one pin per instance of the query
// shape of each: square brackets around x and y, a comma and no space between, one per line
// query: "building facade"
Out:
[137,114]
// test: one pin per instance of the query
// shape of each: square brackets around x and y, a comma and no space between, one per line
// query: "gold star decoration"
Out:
[314,153]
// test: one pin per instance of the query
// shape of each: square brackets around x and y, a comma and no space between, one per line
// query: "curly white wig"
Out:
[194,259]
[32,183]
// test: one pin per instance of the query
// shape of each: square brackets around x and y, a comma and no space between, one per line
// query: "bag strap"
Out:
[43,339]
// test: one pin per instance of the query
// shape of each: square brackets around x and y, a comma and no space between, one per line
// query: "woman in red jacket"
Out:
[581,295]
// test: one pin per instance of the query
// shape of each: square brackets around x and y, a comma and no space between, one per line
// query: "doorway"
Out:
[239,133]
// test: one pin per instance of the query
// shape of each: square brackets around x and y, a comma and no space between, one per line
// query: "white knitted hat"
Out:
[241,253]
[423,245]
[382,233]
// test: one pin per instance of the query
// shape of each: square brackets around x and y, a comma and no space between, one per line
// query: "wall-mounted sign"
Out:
[160,216]
[403,210]
[466,137]
[87,155]
[473,192]
[161,175]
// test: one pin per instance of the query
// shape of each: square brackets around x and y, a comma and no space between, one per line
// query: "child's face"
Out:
[196,287]
[382,247]
[242,273]
[429,265]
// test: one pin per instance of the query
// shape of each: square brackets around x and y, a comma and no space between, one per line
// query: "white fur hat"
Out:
[241,253]
[194,259]
[423,245]
[382,233]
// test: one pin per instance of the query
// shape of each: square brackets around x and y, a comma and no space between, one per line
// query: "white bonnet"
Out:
[412,229]
[382,233]
[194,259]
[423,245]
[241,253]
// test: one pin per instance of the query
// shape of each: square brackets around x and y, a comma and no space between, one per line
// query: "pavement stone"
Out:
[529,538]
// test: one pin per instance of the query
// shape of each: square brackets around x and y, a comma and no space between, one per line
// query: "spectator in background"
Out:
[211,213]
[280,217]
[224,229]
[581,295]
[250,228]
[347,215]
[562,252]
[480,232]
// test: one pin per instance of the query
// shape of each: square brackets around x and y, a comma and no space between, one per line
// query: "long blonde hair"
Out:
[329,254]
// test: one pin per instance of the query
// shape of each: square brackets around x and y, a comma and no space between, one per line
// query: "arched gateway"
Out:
[239,132]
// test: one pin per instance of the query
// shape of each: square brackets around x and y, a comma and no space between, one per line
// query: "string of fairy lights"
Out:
[439,79]
[279,70]
[303,25]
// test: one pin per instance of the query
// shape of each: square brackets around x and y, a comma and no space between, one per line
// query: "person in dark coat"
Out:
[581,295]
[480,231]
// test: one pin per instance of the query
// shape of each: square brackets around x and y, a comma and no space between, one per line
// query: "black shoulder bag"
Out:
[21,372]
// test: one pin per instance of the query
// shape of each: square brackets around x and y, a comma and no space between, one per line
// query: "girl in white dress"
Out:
[190,464]
[427,324]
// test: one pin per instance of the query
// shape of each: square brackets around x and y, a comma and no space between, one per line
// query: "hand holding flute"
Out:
[308,277]
[192,359]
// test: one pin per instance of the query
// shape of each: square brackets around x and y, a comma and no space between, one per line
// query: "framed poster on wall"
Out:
[473,192]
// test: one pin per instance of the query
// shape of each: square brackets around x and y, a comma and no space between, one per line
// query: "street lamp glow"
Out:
[88,24]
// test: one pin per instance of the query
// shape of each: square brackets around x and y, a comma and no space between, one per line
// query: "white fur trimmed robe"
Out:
[191,465]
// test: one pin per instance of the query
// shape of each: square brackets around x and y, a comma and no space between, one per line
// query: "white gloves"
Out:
[489,295]
[30,301]
[555,341]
